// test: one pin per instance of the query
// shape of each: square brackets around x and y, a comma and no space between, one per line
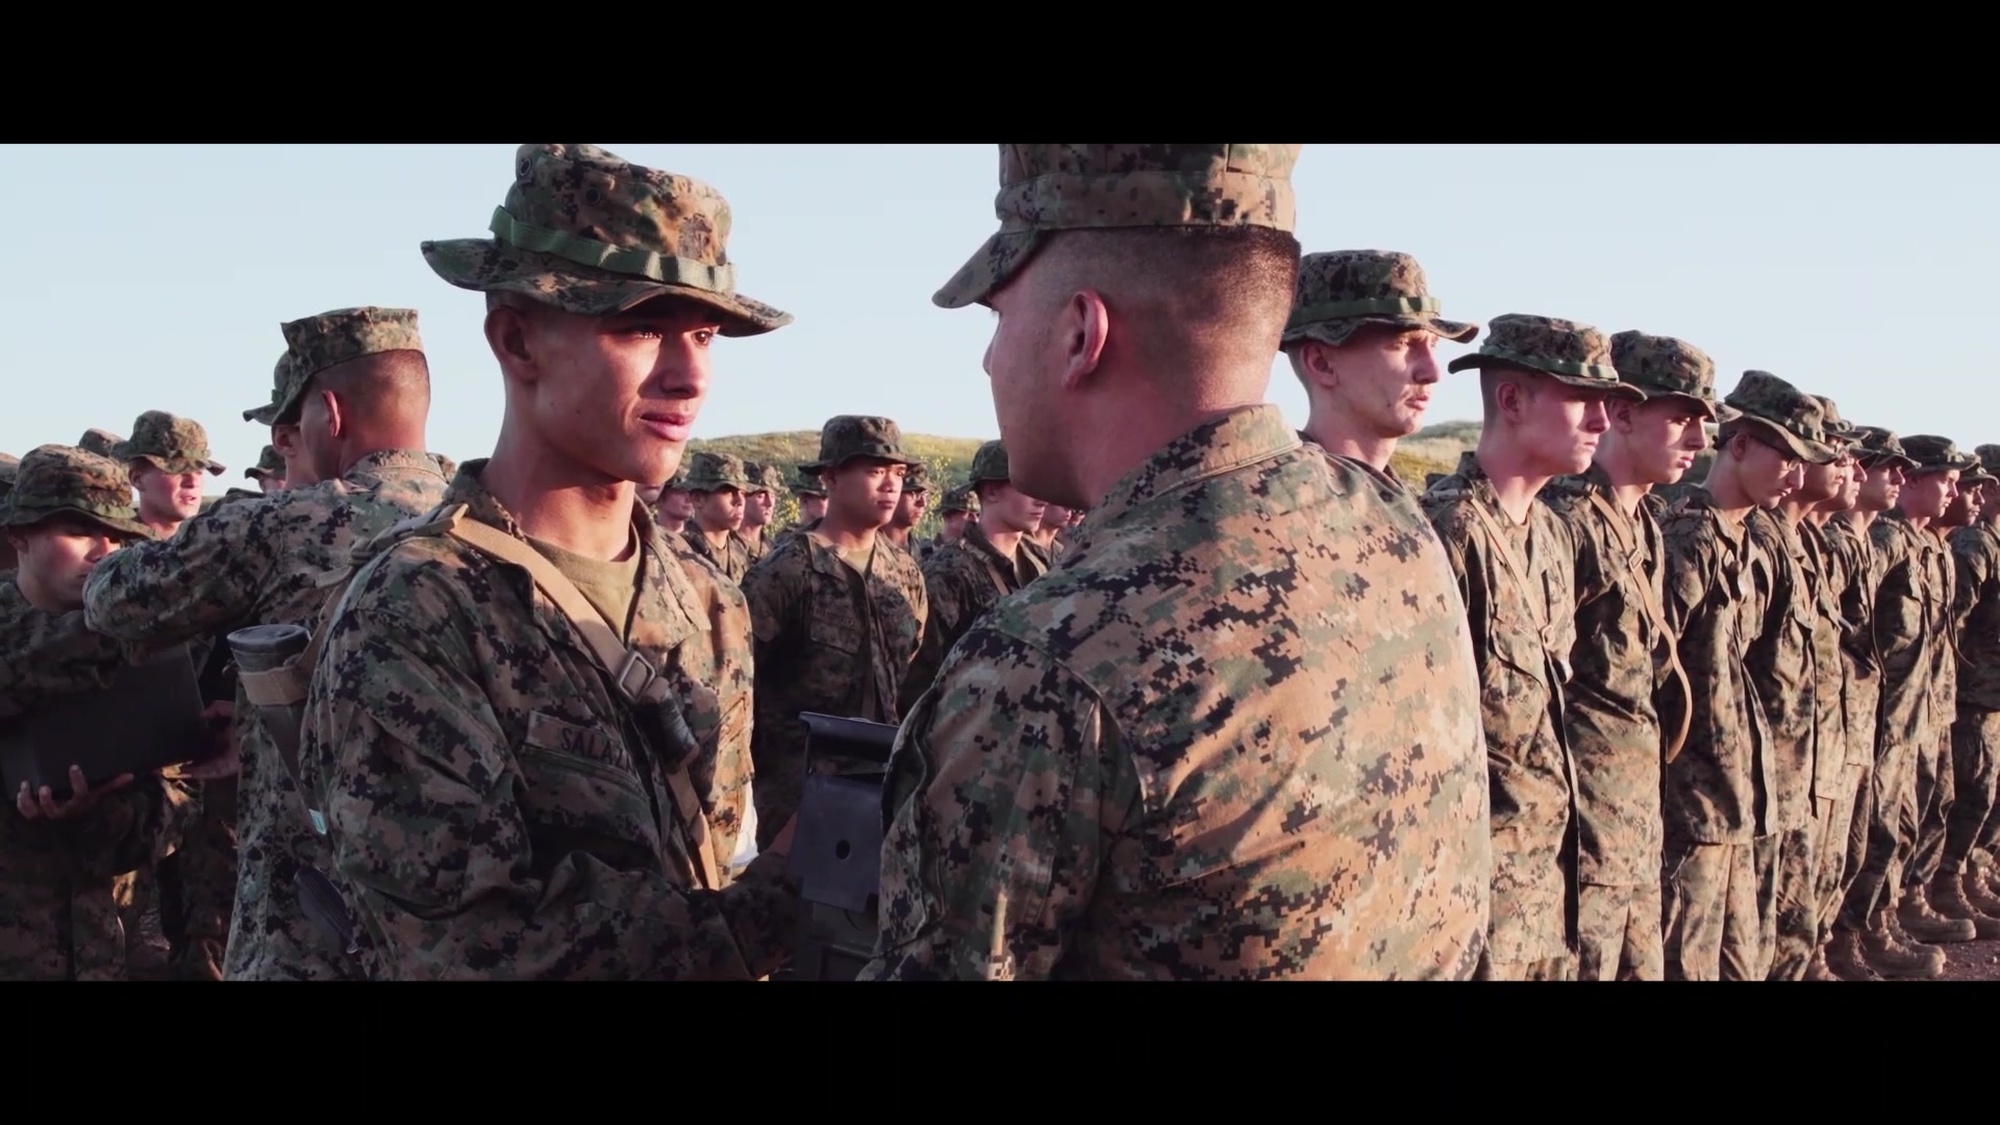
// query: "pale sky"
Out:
[155,277]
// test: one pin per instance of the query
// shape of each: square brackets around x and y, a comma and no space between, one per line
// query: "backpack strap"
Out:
[633,677]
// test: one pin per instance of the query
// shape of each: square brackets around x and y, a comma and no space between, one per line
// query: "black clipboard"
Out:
[148,719]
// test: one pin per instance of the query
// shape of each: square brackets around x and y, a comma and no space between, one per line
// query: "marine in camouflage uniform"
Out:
[964,580]
[711,477]
[1362,340]
[1236,735]
[812,499]
[258,562]
[1868,943]
[1516,578]
[767,486]
[1784,678]
[1975,823]
[517,820]
[959,511]
[1955,890]
[910,509]
[269,471]
[1624,653]
[59,910]
[837,626]
[1913,632]
[1826,489]
[1717,794]
[194,919]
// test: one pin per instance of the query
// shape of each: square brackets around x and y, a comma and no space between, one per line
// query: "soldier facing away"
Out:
[1624,653]
[502,800]
[1236,735]
[360,394]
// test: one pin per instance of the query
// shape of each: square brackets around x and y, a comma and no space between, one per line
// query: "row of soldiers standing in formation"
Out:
[1272,713]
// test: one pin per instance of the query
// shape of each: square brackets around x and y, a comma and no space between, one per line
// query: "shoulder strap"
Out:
[1658,614]
[632,675]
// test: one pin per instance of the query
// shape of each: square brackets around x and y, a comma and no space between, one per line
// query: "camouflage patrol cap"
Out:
[1664,367]
[1988,471]
[104,443]
[960,499]
[917,477]
[315,343]
[1935,454]
[769,479]
[989,462]
[1878,446]
[58,480]
[809,483]
[592,234]
[1840,433]
[281,389]
[269,464]
[8,464]
[713,472]
[1341,290]
[168,442]
[847,436]
[1571,353]
[1782,411]
[1046,188]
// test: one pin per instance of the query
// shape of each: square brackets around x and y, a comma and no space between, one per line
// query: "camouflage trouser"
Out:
[1934,798]
[1710,900]
[137,898]
[1975,752]
[1551,968]
[1619,933]
[1843,850]
[198,902]
[1795,894]
[1892,803]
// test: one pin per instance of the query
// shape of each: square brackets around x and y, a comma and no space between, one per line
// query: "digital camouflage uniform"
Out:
[1784,680]
[1714,792]
[59,910]
[708,473]
[964,579]
[1913,633]
[493,809]
[1620,662]
[830,638]
[191,887]
[258,562]
[916,479]
[1976,728]
[1517,582]
[1236,735]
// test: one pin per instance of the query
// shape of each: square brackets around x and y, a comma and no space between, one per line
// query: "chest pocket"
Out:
[831,624]
[581,787]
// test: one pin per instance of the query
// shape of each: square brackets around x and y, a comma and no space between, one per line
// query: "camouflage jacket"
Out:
[58,917]
[1829,578]
[756,550]
[734,558]
[961,582]
[257,562]
[1912,612]
[1517,583]
[1976,610]
[1861,571]
[1234,737]
[1944,686]
[1781,663]
[1715,791]
[819,648]
[491,806]
[1618,658]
